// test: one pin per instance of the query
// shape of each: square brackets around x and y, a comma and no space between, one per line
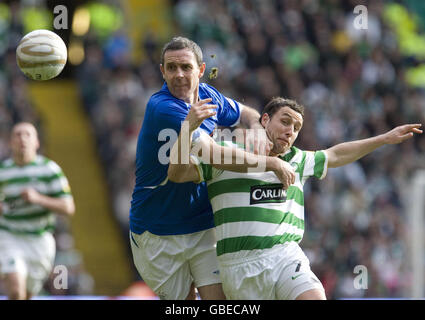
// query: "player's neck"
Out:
[274,153]
[24,159]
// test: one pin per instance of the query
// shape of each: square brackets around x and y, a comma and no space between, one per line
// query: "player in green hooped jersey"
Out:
[259,224]
[32,189]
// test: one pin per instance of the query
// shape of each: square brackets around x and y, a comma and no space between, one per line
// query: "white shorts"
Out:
[170,264]
[280,273]
[30,255]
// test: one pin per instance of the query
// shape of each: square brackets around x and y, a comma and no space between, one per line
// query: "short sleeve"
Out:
[230,114]
[315,164]
[228,111]
[170,114]
[59,185]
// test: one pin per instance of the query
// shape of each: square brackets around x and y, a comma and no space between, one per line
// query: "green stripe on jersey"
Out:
[27,216]
[295,193]
[9,163]
[319,164]
[206,171]
[289,155]
[235,244]
[232,185]
[50,194]
[256,214]
[300,168]
[33,232]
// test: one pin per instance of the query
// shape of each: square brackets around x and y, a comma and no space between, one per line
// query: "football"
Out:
[41,55]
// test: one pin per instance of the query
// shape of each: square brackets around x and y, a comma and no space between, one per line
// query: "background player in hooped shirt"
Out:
[171,225]
[33,189]
[258,225]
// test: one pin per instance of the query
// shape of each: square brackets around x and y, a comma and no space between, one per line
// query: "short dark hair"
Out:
[178,43]
[278,102]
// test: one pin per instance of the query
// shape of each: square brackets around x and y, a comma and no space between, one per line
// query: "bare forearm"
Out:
[63,206]
[181,168]
[347,152]
[233,159]
[250,117]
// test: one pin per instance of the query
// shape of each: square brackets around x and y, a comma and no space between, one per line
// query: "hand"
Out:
[284,172]
[30,195]
[198,112]
[401,133]
[257,142]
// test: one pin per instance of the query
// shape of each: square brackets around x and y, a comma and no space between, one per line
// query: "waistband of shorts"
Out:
[231,259]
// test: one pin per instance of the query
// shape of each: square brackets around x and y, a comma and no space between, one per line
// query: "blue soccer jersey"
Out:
[160,206]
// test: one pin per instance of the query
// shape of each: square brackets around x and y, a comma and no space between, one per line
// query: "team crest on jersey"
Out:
[269,193]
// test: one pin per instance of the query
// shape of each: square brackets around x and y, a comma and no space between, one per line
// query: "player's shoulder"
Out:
[207,90]
[164,100]
[48,163]
[292,154]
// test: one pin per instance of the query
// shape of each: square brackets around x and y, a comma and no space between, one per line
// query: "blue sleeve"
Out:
[163,119]
[228,111]
[169,114]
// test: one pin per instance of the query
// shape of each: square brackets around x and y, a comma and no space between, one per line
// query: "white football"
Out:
[41,55]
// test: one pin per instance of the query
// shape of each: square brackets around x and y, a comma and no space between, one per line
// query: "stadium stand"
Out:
[354,84]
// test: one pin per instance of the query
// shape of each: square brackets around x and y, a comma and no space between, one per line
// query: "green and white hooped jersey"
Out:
[43,175]
[252,211]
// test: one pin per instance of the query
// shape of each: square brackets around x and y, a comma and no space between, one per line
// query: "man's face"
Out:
[182,73]
[283,128]
[24,139]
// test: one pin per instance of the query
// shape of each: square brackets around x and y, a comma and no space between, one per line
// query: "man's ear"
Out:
[161,67]
[37,145]
[202,69]
[265,119]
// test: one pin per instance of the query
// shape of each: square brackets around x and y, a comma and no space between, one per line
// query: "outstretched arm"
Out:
[181,168]
[347,152]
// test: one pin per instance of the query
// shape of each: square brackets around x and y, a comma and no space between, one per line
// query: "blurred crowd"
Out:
[16,106]
[352,84]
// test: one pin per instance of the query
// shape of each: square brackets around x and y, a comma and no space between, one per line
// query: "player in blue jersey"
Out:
[171,225]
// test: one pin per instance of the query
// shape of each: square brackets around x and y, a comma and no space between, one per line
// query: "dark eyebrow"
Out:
[292,117]
[180,64]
